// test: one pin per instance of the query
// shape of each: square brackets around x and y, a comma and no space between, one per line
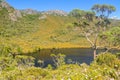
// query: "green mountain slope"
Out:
[33,30]
[30,29]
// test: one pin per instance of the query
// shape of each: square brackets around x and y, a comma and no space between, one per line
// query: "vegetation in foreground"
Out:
[105,67]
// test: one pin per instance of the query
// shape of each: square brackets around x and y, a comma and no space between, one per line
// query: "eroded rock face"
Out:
[42,17]
[4,4]
[56,12]
[13,13]
[30,11]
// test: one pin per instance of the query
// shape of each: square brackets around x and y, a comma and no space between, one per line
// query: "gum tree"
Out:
[101,24]
[92,29]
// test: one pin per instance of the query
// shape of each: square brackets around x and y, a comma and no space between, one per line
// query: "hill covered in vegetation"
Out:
[30,29]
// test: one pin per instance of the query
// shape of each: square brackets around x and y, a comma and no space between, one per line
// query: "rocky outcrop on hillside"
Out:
[6,6]
[42,17]
[13,14]
[30,11]
[56,12]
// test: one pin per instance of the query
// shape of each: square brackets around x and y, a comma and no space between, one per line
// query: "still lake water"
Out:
[79,55]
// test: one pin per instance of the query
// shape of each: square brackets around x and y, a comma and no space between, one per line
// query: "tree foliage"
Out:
[79,14]
[100,23]
[111,38]
[103,9]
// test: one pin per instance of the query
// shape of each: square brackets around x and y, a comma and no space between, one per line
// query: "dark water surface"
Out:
[79,55]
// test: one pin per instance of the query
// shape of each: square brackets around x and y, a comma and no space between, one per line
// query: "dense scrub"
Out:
[105,67]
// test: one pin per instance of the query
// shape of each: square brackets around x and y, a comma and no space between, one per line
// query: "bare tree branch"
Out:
[89,39]
[96,36]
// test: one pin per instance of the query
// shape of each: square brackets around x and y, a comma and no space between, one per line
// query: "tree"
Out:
[102,9]
[92,31]
[103,20]
[80,14]
[89,15]
[110,9]
[96,8]
[77,13]
[102,23]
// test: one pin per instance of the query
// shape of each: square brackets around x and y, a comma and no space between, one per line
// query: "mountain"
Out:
[30,11]
[13,14]
[14,23]
[30,29]
[56,12]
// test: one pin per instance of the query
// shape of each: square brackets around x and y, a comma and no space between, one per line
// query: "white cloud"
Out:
[115,17]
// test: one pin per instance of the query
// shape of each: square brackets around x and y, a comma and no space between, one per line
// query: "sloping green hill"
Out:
[31,30]
[53,31]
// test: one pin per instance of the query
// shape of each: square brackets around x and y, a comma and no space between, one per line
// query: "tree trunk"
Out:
[94,53]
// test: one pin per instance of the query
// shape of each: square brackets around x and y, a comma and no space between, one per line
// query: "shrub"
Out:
[31,73]
[118,55]
[7,63]
[108,59]
[58,59]
[27,61]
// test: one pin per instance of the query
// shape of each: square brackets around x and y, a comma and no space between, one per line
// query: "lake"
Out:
[76,55]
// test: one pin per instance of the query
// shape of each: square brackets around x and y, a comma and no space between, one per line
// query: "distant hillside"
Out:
[30,29]
[56,12]
[14,22]
[30,11]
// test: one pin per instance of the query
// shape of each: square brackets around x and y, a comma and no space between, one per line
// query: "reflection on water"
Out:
[79,55]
